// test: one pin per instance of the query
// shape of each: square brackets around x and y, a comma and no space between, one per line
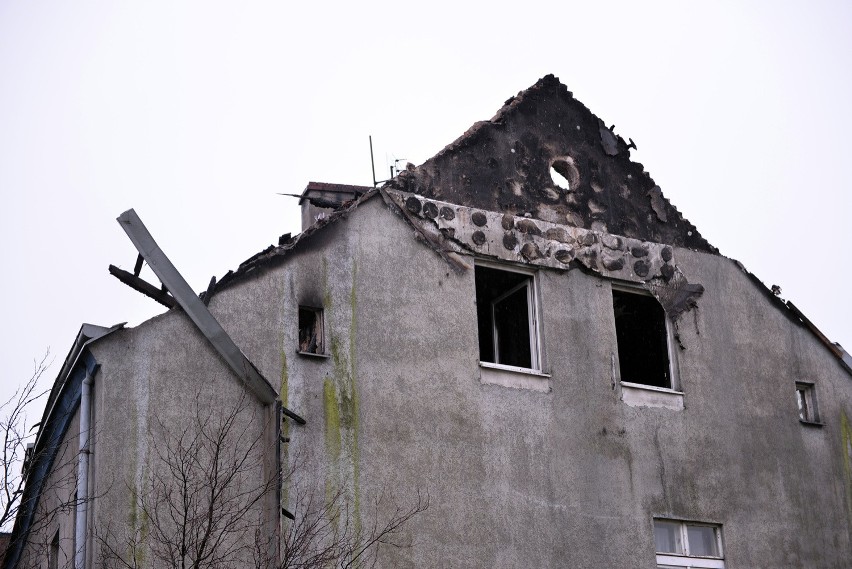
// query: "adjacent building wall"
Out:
[158,384]
[54,515]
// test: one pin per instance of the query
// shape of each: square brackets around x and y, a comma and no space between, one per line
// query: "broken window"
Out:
[311,331]
[641,331]
[687,544]
[505,310]
[806,400]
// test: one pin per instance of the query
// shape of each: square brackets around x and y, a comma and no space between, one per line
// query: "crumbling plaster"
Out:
[457,231]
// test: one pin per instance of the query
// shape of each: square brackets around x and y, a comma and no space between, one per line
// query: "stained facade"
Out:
[523,328]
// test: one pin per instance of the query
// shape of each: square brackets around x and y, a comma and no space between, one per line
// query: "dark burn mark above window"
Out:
[642,337]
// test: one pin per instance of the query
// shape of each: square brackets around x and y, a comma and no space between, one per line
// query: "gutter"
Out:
[81,504]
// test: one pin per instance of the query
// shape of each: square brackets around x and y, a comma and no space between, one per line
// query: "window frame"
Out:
[319,317]
[674,376]
[669,560]
[806,392]
[533,312]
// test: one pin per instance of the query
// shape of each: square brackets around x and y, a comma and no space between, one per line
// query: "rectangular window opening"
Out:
[311,340]
[642,336]
[506,317]
[53,553]
[687,544]
[806,401]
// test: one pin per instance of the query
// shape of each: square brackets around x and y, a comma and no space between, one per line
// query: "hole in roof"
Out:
[559,179]
[564,173]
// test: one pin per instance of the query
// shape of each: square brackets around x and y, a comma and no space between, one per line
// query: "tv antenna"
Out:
[394,168]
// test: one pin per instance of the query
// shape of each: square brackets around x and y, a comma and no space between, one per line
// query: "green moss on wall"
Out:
[846,440]
[356,459]
[332,420]
[137,519]
[340,399]
[333,439]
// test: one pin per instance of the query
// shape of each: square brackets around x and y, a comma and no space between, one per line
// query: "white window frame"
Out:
[531,284]
[534,363]
[674,376]
[666,560]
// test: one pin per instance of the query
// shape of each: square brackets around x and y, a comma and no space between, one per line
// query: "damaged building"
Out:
[522,328]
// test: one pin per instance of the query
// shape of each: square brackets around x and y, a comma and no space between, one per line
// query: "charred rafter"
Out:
[161,295]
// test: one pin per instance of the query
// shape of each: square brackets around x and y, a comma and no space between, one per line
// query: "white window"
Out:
[806,400]
[688,544]
[506,316]
[643,336]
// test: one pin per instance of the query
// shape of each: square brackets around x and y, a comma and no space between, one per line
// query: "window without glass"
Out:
[53,552]
[311,331]
[686,544]
[641,332]
[505,311]
[806,400]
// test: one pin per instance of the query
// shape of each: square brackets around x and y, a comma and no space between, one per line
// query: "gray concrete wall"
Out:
[157,381]
[573,477]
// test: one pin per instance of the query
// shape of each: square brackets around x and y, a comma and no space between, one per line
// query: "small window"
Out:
[686,544]
[806,400]
[53,553]
[641,331]
[311,339]
[506,315]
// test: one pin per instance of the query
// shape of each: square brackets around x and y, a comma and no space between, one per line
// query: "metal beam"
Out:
[197,311]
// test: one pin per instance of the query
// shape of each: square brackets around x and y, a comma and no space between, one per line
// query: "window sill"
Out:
[689,561]
[514,377]
[638,395]
[313,355]
[812,423]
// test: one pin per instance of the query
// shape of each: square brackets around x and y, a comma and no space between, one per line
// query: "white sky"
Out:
[196,114]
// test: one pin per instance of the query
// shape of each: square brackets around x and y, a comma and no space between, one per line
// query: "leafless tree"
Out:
[207,483]
[18,416]
[203,507]
[325,533]
[16,437]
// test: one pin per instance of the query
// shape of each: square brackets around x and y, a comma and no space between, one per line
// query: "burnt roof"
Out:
[504,164]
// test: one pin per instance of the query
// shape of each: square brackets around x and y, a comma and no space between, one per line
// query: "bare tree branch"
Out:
[204,505]
[16,437]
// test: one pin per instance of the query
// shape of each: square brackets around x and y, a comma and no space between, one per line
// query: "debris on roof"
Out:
[454,231]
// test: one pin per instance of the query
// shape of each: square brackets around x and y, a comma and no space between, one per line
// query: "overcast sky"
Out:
[197,114]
